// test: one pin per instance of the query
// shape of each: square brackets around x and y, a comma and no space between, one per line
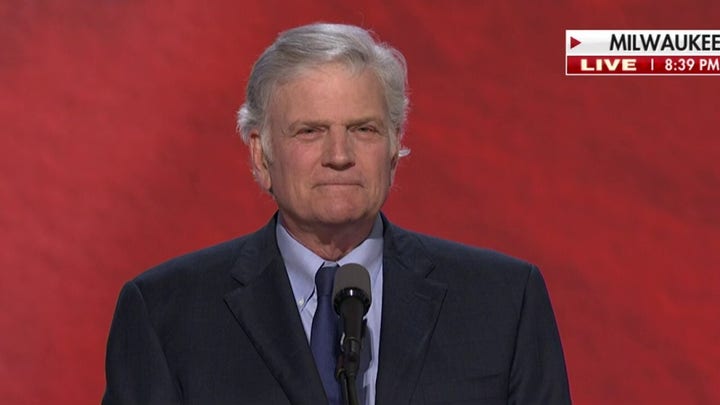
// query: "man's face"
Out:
[332,156]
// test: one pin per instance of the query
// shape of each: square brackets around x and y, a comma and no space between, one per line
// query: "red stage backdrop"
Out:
[118,151]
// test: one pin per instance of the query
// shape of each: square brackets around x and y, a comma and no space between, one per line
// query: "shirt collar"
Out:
[302,264]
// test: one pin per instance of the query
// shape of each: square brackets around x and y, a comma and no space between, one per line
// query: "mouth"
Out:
[338,184]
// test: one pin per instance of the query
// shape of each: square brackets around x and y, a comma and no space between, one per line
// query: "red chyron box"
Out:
[642,52]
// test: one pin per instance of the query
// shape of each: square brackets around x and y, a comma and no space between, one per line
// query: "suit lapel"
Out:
[411,305]
[265,308]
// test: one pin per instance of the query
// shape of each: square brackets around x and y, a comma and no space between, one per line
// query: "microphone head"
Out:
[352,281]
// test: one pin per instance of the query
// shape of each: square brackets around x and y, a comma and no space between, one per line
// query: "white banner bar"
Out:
[642,42]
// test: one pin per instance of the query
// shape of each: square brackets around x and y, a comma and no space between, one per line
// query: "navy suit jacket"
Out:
[220,326]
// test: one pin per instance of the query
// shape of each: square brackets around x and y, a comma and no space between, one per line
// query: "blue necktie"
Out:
[324,338]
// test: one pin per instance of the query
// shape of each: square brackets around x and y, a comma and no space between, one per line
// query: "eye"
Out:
[365,129]
[308,132]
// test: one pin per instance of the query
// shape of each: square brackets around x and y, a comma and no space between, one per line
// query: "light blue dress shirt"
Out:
[301,265]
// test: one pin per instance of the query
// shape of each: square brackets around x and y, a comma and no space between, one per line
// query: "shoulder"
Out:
[450,251]
[205,272]
[455,261]
[216,257]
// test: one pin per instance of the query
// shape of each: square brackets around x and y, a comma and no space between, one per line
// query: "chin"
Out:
[333,216]
[339,219]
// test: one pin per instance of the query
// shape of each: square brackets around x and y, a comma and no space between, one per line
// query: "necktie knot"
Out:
[324,279]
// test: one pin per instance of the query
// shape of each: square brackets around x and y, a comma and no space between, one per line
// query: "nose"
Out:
[338,153]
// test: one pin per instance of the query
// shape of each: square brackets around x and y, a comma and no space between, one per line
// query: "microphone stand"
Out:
[346,373]
[348,365]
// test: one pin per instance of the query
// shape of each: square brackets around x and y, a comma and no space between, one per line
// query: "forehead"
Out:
[328,92]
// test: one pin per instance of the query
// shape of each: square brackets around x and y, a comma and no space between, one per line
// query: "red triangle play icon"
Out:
[574,42]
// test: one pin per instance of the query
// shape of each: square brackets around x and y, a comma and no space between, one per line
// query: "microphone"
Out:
[351,300]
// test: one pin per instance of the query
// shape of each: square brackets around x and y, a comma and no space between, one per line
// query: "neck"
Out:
[331,242]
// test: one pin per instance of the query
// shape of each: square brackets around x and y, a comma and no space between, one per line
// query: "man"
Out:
[234,323]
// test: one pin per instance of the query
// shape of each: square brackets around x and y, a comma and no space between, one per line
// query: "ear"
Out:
[394,158]
[259,161]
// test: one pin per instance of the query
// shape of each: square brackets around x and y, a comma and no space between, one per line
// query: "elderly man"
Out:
[237,323]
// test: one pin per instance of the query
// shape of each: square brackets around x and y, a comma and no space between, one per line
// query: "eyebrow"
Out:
[295,124]
[366,120]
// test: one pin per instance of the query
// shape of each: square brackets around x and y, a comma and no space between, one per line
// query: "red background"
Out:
[118,151]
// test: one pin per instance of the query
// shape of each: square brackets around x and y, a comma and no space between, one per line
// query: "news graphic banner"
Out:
[642,52]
